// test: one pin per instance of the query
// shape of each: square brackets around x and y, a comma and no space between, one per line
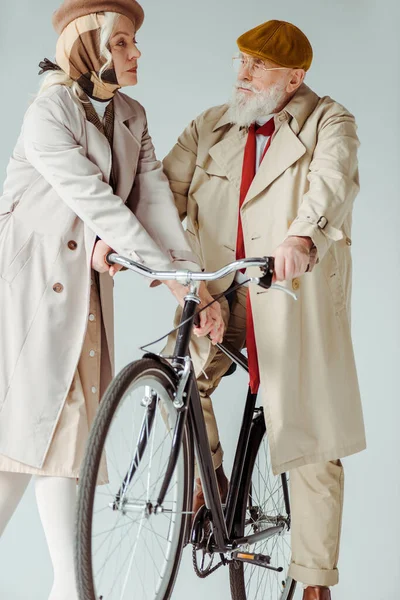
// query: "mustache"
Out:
[247,86]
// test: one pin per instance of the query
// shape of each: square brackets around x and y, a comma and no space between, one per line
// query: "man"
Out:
[275,173]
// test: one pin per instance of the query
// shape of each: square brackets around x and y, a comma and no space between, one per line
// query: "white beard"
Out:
[245,110]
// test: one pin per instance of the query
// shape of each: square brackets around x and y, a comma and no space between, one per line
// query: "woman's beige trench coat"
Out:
[305,186]
[56,199]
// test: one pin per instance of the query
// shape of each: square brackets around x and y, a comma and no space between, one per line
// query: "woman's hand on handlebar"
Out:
[99,263]
[211,321]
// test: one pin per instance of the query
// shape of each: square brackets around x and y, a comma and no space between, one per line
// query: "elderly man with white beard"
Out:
[274,172]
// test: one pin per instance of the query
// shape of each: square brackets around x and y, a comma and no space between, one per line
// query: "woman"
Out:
[83,179]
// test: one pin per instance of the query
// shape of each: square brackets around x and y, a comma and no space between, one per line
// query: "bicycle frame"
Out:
[189,408]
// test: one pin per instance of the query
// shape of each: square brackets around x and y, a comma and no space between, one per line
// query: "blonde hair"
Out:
[61,78]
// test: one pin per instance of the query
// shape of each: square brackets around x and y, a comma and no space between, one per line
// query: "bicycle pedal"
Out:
[261,560]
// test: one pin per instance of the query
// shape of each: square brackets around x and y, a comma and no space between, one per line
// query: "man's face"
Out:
[262,74]
[262,88]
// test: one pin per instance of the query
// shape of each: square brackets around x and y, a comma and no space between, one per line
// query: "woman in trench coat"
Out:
[83,179]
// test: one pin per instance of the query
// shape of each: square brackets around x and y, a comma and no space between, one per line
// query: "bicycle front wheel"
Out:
[125,547]
[266,505]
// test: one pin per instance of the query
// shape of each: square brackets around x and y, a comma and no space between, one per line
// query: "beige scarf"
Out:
[78,55]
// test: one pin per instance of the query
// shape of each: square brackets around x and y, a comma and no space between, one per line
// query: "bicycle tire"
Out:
[107,409]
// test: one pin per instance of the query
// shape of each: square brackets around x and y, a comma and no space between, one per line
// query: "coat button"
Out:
[348,241]
[295,284]
[58,287]
[72,245]
[92,317]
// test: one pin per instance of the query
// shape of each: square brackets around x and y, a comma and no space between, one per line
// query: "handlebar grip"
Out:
[196,320]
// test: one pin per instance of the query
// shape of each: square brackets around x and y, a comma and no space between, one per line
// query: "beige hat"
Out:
[72,9]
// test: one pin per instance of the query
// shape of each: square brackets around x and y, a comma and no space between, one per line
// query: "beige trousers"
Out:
[316,489]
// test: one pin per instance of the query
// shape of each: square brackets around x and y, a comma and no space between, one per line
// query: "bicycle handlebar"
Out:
[266,264]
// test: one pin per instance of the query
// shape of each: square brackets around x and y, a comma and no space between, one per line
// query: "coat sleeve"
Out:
[333,182]
[152,202]
[179,166]
[52,149]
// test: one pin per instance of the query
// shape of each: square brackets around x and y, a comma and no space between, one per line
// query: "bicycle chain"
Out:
[199,573]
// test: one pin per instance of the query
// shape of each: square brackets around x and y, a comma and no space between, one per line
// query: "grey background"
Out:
[185,68]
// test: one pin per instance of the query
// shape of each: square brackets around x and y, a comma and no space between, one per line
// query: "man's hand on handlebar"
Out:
[294,257]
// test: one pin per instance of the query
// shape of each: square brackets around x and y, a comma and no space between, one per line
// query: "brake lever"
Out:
[272,286]
[266,281]
[280,288]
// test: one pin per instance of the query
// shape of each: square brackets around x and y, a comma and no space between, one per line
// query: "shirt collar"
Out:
[264,120]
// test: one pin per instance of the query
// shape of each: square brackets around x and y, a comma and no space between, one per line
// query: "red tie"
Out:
[248,173]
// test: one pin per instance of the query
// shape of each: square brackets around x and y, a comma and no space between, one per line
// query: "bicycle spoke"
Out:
[266,506]
[131,558]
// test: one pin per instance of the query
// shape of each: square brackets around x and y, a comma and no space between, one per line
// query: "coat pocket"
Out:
[16,248]
[334,280]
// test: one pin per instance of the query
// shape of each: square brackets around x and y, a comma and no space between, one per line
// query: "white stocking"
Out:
[56,500]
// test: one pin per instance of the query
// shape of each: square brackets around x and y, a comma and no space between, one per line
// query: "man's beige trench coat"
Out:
[305,186]
[56,199]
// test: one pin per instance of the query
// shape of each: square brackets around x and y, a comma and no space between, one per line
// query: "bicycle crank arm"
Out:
[261,560]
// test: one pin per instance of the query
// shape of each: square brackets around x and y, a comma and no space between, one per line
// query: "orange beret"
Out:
[72,9]
[280,42]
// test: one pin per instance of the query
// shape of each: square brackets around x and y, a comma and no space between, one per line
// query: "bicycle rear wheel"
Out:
[124,545]
[266,504]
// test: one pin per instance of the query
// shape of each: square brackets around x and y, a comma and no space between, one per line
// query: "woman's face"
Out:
[124,51]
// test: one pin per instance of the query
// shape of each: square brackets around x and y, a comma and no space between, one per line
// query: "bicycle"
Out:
[131,532]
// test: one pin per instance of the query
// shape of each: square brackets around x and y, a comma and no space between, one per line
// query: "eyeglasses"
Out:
[255,66]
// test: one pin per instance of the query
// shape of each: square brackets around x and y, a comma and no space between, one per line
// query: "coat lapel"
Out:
[126,145]
[98,150]
[285,150]
[125,155]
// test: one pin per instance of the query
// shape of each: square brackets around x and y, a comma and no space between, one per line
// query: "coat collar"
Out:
[124,107]
[300,107]
[224,120]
